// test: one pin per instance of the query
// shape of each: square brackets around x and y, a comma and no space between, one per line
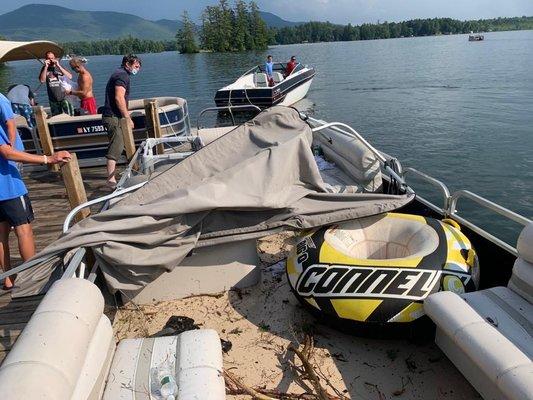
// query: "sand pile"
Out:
[259,325]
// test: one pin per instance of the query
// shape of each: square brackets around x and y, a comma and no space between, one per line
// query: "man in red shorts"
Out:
[85,86]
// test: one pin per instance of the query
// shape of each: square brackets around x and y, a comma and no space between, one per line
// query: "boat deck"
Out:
[51,206]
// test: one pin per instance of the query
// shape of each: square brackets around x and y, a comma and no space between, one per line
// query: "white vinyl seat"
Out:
[277,76]
[260,80]
[195,356]
[67,352]
[488,334]
[359,166]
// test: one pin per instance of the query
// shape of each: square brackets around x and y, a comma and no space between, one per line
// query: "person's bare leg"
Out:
[111,166]
[5,260]
[26,242]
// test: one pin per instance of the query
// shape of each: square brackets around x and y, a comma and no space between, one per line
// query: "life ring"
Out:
[379,269]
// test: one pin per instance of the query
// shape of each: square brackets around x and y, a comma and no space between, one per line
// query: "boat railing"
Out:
[116,193]
[483,202]
[253,69]
[148,157]
[229,108]
[449,209]
[186,119]
[145,151]
[349,131]
[445,192]
[262,69]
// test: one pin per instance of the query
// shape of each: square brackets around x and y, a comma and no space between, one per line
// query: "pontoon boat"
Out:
[185,223]
[86,135]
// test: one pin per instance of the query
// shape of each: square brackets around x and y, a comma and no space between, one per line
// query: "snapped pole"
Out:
[153,125]
[129,140]
[74,185]
[44,134]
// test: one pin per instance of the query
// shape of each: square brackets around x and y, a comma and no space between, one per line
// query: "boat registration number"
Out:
[91,129]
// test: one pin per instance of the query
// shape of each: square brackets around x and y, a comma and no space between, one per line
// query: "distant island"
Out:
[222,29]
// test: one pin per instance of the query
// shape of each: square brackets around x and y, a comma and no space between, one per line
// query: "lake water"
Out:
[460,111]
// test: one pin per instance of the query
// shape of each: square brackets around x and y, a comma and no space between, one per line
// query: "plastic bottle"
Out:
[166,383]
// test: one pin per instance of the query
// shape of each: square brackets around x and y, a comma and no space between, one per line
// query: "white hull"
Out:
[297,94]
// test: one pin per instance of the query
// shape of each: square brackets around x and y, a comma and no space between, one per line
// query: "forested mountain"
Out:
[60,24]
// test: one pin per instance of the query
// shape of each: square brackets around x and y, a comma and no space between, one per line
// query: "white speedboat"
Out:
[252,87]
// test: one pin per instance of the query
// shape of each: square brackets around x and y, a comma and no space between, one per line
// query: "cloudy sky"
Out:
[339,11]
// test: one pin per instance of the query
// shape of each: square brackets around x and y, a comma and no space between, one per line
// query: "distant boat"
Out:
[475,38]
[68,57]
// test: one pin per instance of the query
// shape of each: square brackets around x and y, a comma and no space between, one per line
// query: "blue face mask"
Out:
[134,71]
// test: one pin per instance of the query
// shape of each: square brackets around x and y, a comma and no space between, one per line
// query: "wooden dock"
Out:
[50,205]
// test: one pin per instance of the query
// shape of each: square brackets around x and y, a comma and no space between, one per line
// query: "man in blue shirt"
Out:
[269,65]
[15,206]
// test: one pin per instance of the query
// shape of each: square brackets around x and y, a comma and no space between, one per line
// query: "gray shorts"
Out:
[116,137]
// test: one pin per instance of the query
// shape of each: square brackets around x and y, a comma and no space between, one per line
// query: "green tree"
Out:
[224,27]
[242,38]
[258,28]
[208,34]
[186,36]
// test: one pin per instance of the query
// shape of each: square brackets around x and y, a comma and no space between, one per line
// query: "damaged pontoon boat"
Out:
[186,223]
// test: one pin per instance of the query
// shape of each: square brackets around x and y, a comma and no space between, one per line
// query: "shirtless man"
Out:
[85,86]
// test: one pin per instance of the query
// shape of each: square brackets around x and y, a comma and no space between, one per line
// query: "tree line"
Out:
[328,32]
[241,28]
[118,46]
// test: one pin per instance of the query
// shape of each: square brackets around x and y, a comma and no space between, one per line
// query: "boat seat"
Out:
[277,76]
[359,165]
[488,334]
[195,356]
[260,80]
[209,135]
[338,182]
[67,348]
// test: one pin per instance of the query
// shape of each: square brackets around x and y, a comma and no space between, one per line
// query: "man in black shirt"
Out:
[117,94]
[51,73]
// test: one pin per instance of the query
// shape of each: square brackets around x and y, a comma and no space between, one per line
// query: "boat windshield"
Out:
[277,67]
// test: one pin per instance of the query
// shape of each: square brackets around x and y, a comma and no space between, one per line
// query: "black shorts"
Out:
[16,211]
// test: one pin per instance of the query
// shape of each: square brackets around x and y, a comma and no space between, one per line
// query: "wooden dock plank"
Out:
[51,206]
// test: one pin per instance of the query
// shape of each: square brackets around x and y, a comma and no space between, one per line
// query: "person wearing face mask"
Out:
[116,108]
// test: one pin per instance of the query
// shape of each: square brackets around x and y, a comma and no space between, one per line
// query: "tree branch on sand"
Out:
[235,386]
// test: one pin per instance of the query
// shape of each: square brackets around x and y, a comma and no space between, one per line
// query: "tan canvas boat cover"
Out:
[16,51]
[260,177]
